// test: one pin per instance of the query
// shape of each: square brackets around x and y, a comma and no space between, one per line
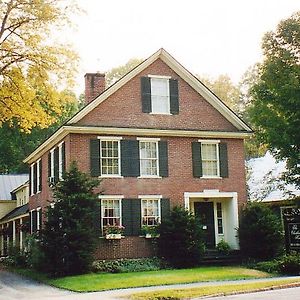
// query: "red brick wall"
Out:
[124,108]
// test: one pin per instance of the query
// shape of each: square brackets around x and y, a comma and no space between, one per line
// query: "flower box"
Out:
[113,236]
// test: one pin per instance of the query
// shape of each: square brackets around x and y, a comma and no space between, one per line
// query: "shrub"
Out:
[128,265]
[70,233]
[223,247]
[181,239]
[289,264]
[260,232]
[271,266]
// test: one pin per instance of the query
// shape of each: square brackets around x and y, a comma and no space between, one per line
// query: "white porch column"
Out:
[1,242]
[14,232]
[21,234]
[186,201]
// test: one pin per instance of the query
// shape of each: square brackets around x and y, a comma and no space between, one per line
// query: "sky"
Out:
[209,37]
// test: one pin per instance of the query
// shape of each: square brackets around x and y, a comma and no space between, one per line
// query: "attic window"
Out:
[159,95]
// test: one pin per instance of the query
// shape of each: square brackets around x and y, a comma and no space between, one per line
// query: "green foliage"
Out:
[267,266]
[69,237]
[152,230]
[181,239]
[260,232]
[275,109]
[35,257]
[128,265]
[116,73]
[223,247]
[289,264]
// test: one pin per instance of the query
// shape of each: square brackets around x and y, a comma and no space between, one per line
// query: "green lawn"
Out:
[104,281]
[212,290]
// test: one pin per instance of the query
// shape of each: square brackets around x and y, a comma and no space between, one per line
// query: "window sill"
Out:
[211,177]
[111,176]
[149,177]
[156,113]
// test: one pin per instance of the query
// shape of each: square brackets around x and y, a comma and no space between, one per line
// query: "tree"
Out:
[15,145]
[224,88]
[181,239]
[260,232]
[116,73]
[68,239]
[275,109]
[33,67]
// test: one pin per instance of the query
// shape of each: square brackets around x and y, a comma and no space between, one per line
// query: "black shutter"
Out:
[30,181]
[63,157]
[136,216]
[130,158]
[223,160]
[40,175]
[40,218]
[126,216]
[56,164]
[35,178]
[165,208]
[34,220]
[49,165]
[146,94]
[30,222]
[196,157]
[174,99]
[97,219]
[163,158]
[95,158]
[131,216]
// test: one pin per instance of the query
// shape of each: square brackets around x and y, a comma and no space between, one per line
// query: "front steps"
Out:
[214,257]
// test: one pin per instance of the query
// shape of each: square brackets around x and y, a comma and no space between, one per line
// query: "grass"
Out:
[104,281]
[212,290]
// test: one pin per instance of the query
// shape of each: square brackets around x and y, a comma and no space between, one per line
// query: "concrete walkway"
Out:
[13,287]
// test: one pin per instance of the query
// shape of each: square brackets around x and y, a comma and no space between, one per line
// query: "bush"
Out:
[223,247]
[181,239]
[271,266]
[17,257]
[260,232]
[289,264]
[128,265]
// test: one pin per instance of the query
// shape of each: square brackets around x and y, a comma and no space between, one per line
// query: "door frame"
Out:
[229,202]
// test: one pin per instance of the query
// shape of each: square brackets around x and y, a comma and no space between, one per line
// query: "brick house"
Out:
[157,138]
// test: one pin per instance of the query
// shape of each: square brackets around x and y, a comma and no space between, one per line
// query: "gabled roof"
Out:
[183,73]
[18,211]
[10,182]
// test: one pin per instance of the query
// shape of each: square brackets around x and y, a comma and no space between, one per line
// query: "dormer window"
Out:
[159,95]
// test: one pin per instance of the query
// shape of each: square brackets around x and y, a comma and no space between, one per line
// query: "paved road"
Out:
[14,287]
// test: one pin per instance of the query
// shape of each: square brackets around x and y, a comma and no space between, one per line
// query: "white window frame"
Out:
[221,217]
[31,179]
[113,198]
[147,198]
[216,143]
[38,212]
[38,176]
[31,221]
[111,139]
[60,160]
[162,78]
[149,140]
[51,163]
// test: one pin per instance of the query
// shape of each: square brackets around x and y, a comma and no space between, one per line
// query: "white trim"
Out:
[111,197]
[109,138]
[159,208]
[65,130]
[38,211]
[119,199]
[145,139]
[60,160]
[159,76]
[150,196]
[209,141]
[217,176]
[157,158]
[14,232]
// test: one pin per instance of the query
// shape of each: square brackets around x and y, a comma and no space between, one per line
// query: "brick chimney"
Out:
[94,85]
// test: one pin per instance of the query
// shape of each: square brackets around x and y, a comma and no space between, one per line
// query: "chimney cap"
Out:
[97,74]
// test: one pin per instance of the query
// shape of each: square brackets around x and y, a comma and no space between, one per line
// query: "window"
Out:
[160,99]
[210,159]
[110,157]
[149,158]
[150,212]
[159,95]
[60,161]
[56,163]
[220,218]
[111,212]
[36,177]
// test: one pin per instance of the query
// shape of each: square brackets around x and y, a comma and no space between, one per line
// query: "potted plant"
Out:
[149,231]
[113,232]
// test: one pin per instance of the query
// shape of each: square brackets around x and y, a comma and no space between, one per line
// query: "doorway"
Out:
[204,211]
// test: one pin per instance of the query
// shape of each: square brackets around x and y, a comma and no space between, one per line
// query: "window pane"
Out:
[150,212]
[209,159]
[160,95]
[148,158]
[110,157]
